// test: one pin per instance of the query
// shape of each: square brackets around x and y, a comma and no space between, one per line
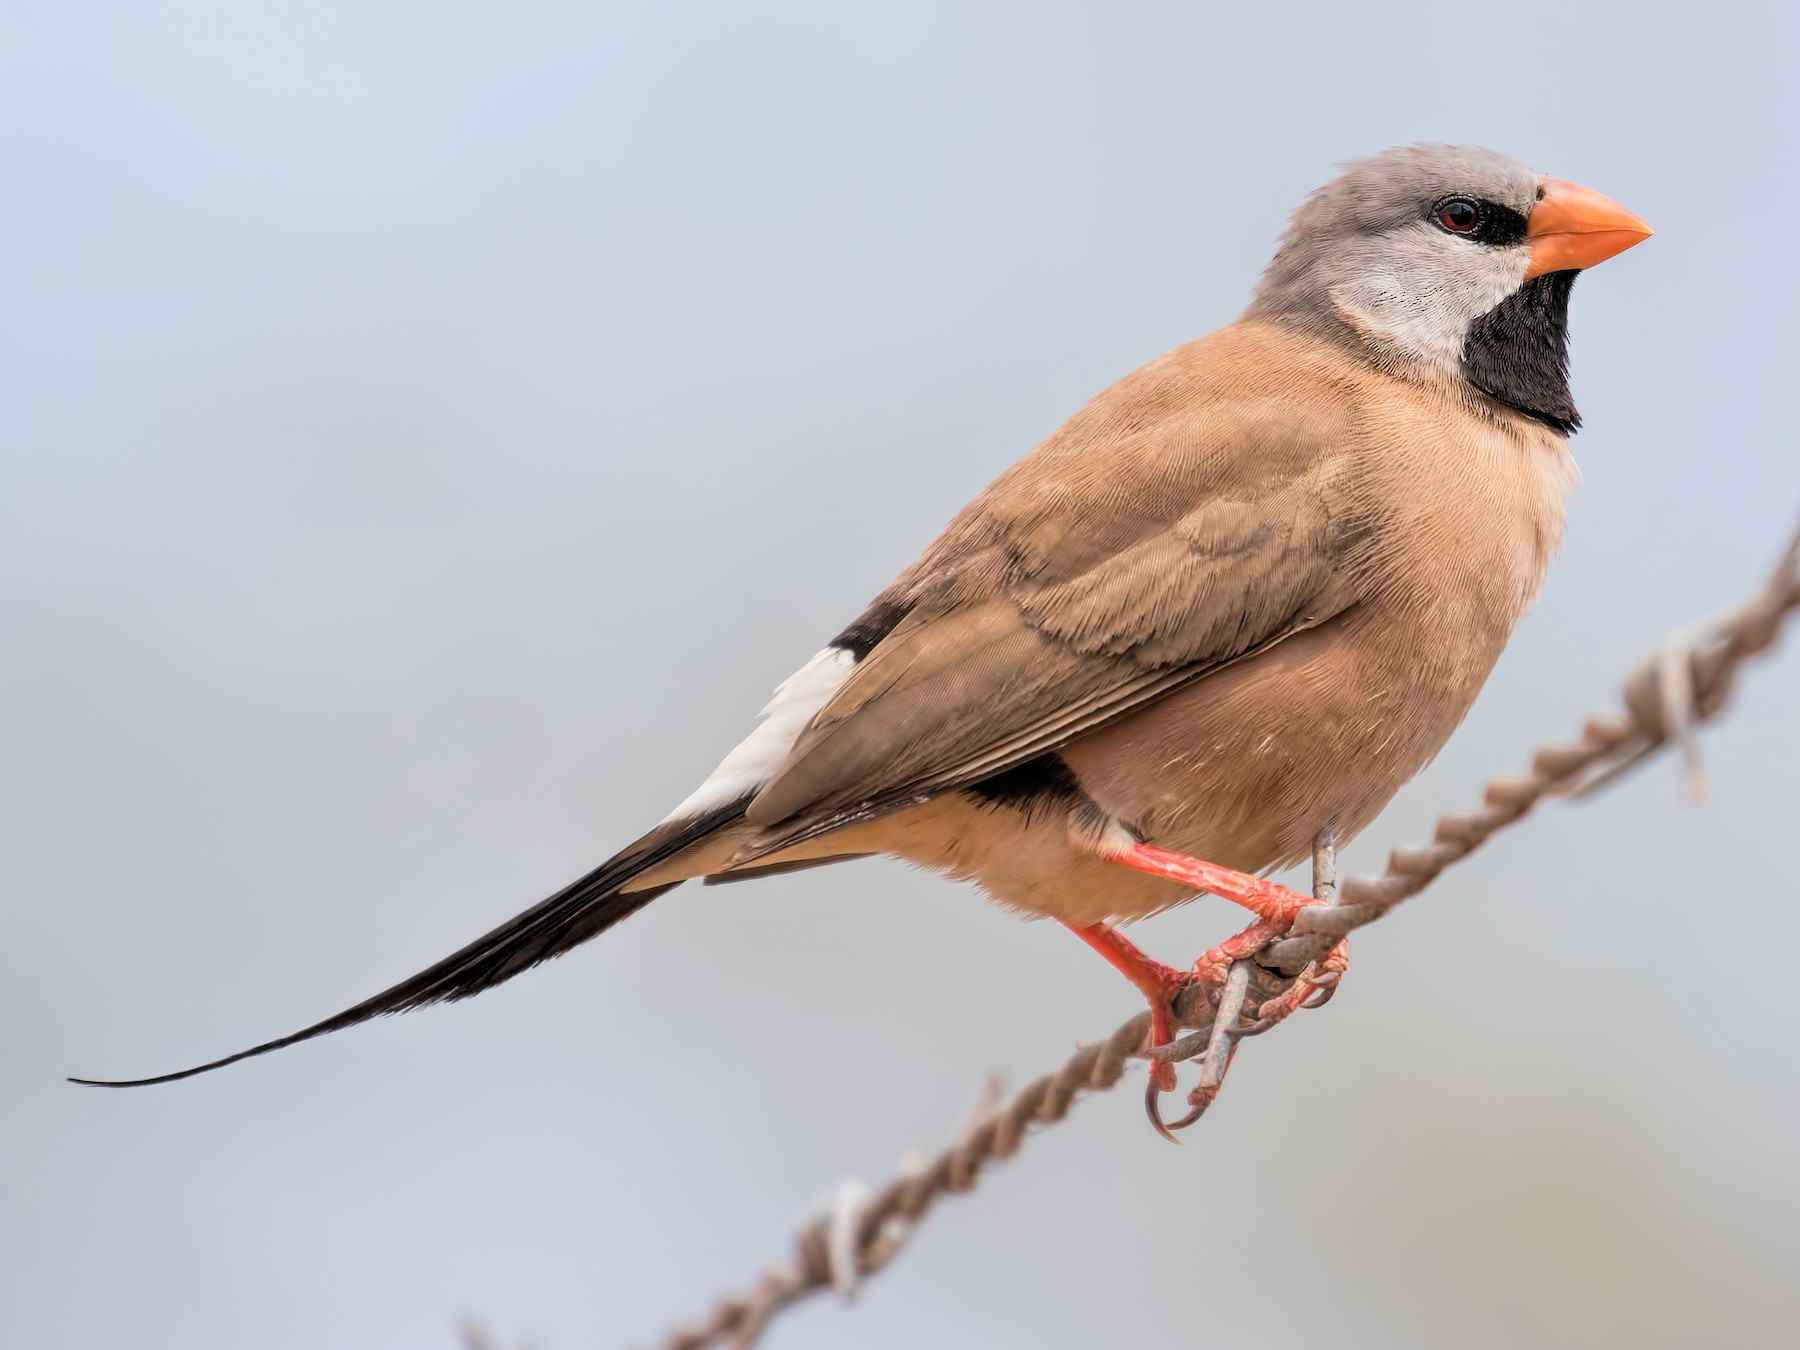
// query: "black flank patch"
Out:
[877,621]
[1040,782]
[1518,352]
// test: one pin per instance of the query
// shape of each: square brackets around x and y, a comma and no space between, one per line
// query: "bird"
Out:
[1237,599]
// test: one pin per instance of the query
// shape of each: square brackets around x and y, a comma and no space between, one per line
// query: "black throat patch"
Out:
[1518,352]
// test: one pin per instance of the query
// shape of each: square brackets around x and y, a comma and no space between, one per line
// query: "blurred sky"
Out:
[431,429]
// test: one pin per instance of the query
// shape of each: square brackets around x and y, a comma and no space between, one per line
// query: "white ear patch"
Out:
[1423,290]
[760,754]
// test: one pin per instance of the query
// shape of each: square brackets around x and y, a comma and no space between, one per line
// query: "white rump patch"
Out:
[755,760]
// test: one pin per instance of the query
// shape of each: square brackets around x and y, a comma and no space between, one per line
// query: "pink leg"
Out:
[1274,907]
[1271,903]
[1158,983]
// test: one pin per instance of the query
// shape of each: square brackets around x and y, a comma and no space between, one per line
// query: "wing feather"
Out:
[1126,556]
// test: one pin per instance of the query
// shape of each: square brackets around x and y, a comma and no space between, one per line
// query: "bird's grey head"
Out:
[1447,260]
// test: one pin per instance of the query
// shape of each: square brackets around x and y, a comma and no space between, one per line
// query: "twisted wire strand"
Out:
[1686,682]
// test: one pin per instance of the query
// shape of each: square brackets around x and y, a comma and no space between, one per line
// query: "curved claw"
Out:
[1320,996]
[1196,1109]
[1153,1109]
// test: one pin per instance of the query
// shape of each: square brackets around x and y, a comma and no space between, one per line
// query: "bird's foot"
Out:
[1275,907]
[1161,985]
[1205,1093]
[1213,970]
[1313,989]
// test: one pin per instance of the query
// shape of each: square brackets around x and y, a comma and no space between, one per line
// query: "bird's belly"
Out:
[1028,861]
[1244,767]
[1241,768]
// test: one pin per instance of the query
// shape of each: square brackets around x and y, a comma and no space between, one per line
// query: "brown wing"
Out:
[1181,521]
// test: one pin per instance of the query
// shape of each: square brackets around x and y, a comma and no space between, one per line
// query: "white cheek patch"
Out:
[1423,301]
[762,752]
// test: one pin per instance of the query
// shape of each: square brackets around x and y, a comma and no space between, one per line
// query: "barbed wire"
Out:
[1687,681]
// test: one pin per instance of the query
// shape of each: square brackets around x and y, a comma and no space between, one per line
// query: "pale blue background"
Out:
[430,430]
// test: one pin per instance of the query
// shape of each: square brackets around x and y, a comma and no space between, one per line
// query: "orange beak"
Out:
[1572,227]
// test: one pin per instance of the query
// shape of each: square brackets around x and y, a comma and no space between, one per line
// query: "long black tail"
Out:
[579,911]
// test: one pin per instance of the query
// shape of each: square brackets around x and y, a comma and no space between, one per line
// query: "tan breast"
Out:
[1245,766]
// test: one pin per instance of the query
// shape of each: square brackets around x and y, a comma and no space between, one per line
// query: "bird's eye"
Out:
[1458,215]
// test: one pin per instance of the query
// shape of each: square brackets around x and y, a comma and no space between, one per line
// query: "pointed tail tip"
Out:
[138,1082]
[584,908]
[198,1069]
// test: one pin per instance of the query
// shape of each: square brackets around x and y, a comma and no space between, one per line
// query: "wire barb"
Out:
[1686,682]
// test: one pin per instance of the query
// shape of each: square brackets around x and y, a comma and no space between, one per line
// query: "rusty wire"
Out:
[1685,682]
